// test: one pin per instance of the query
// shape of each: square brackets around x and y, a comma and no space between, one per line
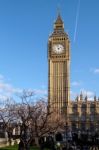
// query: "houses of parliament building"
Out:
[81,113]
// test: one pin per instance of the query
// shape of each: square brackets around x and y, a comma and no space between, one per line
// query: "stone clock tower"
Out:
[58,67]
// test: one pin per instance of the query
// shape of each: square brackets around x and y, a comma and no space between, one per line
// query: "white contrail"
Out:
[76,23]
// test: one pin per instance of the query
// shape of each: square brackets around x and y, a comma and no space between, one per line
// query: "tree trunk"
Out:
[9,140]
[24,146]
[37,141]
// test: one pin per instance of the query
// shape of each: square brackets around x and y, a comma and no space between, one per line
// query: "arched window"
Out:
[74,126]
[83,118]
[83,126]
[74,108]
[92,127]
[83,108]
[92,108]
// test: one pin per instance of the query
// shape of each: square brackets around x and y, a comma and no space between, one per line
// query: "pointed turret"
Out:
[77,98]
[81,96]
[95,98]
[86,98]
[59,25]
[59,19]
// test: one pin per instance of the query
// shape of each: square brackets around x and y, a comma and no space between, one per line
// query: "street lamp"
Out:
[65,117]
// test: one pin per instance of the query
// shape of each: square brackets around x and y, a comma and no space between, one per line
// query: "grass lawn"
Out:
[15,147]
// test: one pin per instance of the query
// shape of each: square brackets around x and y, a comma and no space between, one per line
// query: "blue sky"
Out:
[24,29]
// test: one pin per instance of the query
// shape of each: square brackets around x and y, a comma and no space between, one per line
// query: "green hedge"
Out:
[15,147]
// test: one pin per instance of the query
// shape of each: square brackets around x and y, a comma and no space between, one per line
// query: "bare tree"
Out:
[43,120]
[35,118]
[8,118]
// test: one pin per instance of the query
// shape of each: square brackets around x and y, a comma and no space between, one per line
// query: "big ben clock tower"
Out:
[58,67]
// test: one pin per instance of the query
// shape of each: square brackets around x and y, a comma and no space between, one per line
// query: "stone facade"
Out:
[59,66]
[82,114]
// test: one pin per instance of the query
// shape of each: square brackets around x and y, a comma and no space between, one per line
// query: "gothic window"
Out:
[97,126]
[83,108]
[83,118]
[92,108]
[74,126]
[97,116]
[74,117]
[92,118]
[74,108]
[92,127]
[83,126]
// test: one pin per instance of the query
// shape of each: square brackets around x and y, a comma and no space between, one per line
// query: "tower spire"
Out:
[59,19]
[58,10]
[59,25]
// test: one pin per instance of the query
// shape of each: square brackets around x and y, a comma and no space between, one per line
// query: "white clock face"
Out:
[58,48]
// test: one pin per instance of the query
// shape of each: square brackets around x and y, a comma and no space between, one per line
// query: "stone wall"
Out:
[4,142]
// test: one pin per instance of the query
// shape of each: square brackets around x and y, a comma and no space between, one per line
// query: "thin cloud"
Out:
[73,95]
[76,83]
[3,97]
[88,93]
[40,91]
[96,71]
[1,77]
[85,92]
[6,89]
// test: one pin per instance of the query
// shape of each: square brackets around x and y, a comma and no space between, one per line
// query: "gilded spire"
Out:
[59,22]
[59,19]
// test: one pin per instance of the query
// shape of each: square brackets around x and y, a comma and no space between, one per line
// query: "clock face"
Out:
[58,48]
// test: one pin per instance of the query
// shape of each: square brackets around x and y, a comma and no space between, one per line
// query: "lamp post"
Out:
[65,117]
